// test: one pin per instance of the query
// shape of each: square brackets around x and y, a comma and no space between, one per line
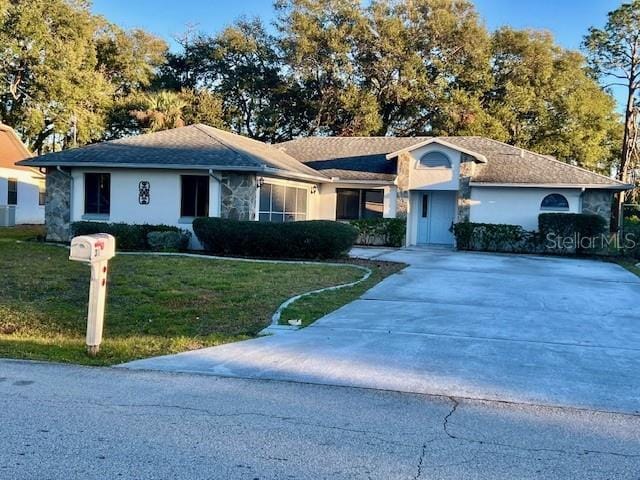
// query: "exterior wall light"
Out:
[260,182]
[314,189]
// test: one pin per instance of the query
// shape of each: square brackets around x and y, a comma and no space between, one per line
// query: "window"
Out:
[194,200]
[435,160]
[279,203]
[97,193]
[12,191]
[42,192]
[354,204]
[425,205]
[555,201]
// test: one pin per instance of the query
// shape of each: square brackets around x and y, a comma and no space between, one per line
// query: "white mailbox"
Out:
[95,250]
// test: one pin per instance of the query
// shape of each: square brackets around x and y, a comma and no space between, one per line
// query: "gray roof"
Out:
[196,146]
[350,158]
[507,164]
[347,158]
[364,158]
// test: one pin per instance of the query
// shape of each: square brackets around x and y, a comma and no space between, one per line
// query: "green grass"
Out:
[309,309]
[156,305]
[629,264]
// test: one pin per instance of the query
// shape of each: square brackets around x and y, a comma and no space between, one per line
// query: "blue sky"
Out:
[568,20]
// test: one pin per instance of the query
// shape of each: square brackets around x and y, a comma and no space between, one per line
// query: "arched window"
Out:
[435,160]
[555,201]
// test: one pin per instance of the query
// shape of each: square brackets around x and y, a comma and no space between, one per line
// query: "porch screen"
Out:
[280,203]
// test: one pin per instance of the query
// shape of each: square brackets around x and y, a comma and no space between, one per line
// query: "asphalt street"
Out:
[70,422]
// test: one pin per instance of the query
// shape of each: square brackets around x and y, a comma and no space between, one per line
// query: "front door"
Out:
[436,214]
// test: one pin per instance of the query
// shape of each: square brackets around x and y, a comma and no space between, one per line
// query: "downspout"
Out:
[219,180]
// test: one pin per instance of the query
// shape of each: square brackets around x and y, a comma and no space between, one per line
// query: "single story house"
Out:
[173,176]
[22,188]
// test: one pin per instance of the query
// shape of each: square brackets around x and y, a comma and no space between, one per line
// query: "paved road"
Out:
[67,422]
[525,329]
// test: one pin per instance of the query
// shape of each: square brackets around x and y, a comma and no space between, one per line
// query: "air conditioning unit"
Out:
[7,216]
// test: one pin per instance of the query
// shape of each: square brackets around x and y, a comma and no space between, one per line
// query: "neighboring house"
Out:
[176,175]
[22,189]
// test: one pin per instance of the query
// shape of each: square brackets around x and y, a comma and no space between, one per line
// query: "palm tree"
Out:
[164,111]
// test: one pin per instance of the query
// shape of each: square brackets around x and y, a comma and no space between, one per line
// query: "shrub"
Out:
[380,231]
[168,241]
[555,227]
[489,237]
[308,239]
[631,239]
[128,236]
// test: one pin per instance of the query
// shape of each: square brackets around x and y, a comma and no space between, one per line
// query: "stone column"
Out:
[57,210]
[467,168]
[402,192]
[238,196]
[598,202]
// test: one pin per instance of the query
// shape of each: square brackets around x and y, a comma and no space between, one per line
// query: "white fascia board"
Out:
[478,156]
[553,185]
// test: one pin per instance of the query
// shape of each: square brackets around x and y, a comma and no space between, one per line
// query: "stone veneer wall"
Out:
[402,195]
[598,202]
[238,196]
[467,169]
[57,210]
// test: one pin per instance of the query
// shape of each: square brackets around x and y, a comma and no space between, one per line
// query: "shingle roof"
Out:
[350,158]
[347,158]
[364,158]
[192,146]
[512,165]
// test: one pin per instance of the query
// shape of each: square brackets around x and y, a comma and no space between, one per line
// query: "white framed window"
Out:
[555,202]
[434,160]
[282,203]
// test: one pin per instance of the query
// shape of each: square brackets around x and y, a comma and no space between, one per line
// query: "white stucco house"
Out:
[22,188]
[173,176]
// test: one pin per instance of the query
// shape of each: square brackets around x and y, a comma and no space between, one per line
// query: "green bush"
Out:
[573,227]
[168,241]
[489,237]
[309,239]
[380,231]
[128,236]
[631,238]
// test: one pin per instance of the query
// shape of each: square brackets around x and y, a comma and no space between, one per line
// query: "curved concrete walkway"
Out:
[501,327]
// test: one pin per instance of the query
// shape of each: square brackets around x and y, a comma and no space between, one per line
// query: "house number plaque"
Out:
[144,192]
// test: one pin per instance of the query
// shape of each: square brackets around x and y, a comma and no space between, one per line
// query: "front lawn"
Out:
[156,305]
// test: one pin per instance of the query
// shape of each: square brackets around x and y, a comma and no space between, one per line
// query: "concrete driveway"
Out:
[521,329]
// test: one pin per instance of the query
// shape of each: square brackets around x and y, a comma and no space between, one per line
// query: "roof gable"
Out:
[12,149]
[194,146]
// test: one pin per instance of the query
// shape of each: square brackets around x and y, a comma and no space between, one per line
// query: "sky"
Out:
[567,20]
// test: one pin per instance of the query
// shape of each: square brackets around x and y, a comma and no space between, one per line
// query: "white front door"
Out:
[436,214]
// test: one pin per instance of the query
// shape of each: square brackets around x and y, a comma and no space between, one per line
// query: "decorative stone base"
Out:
[598,202]
[57,210]
[238,196]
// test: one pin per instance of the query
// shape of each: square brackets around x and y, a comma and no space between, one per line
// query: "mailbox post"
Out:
[95,250]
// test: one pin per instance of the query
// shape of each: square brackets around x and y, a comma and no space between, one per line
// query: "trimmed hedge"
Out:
[381,231]
[168,241]
[560,234]
[489,237]
[307,239]
[631,238]
[128,236]
[572,227]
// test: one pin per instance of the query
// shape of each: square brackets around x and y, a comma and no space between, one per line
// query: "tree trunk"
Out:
[625,157]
